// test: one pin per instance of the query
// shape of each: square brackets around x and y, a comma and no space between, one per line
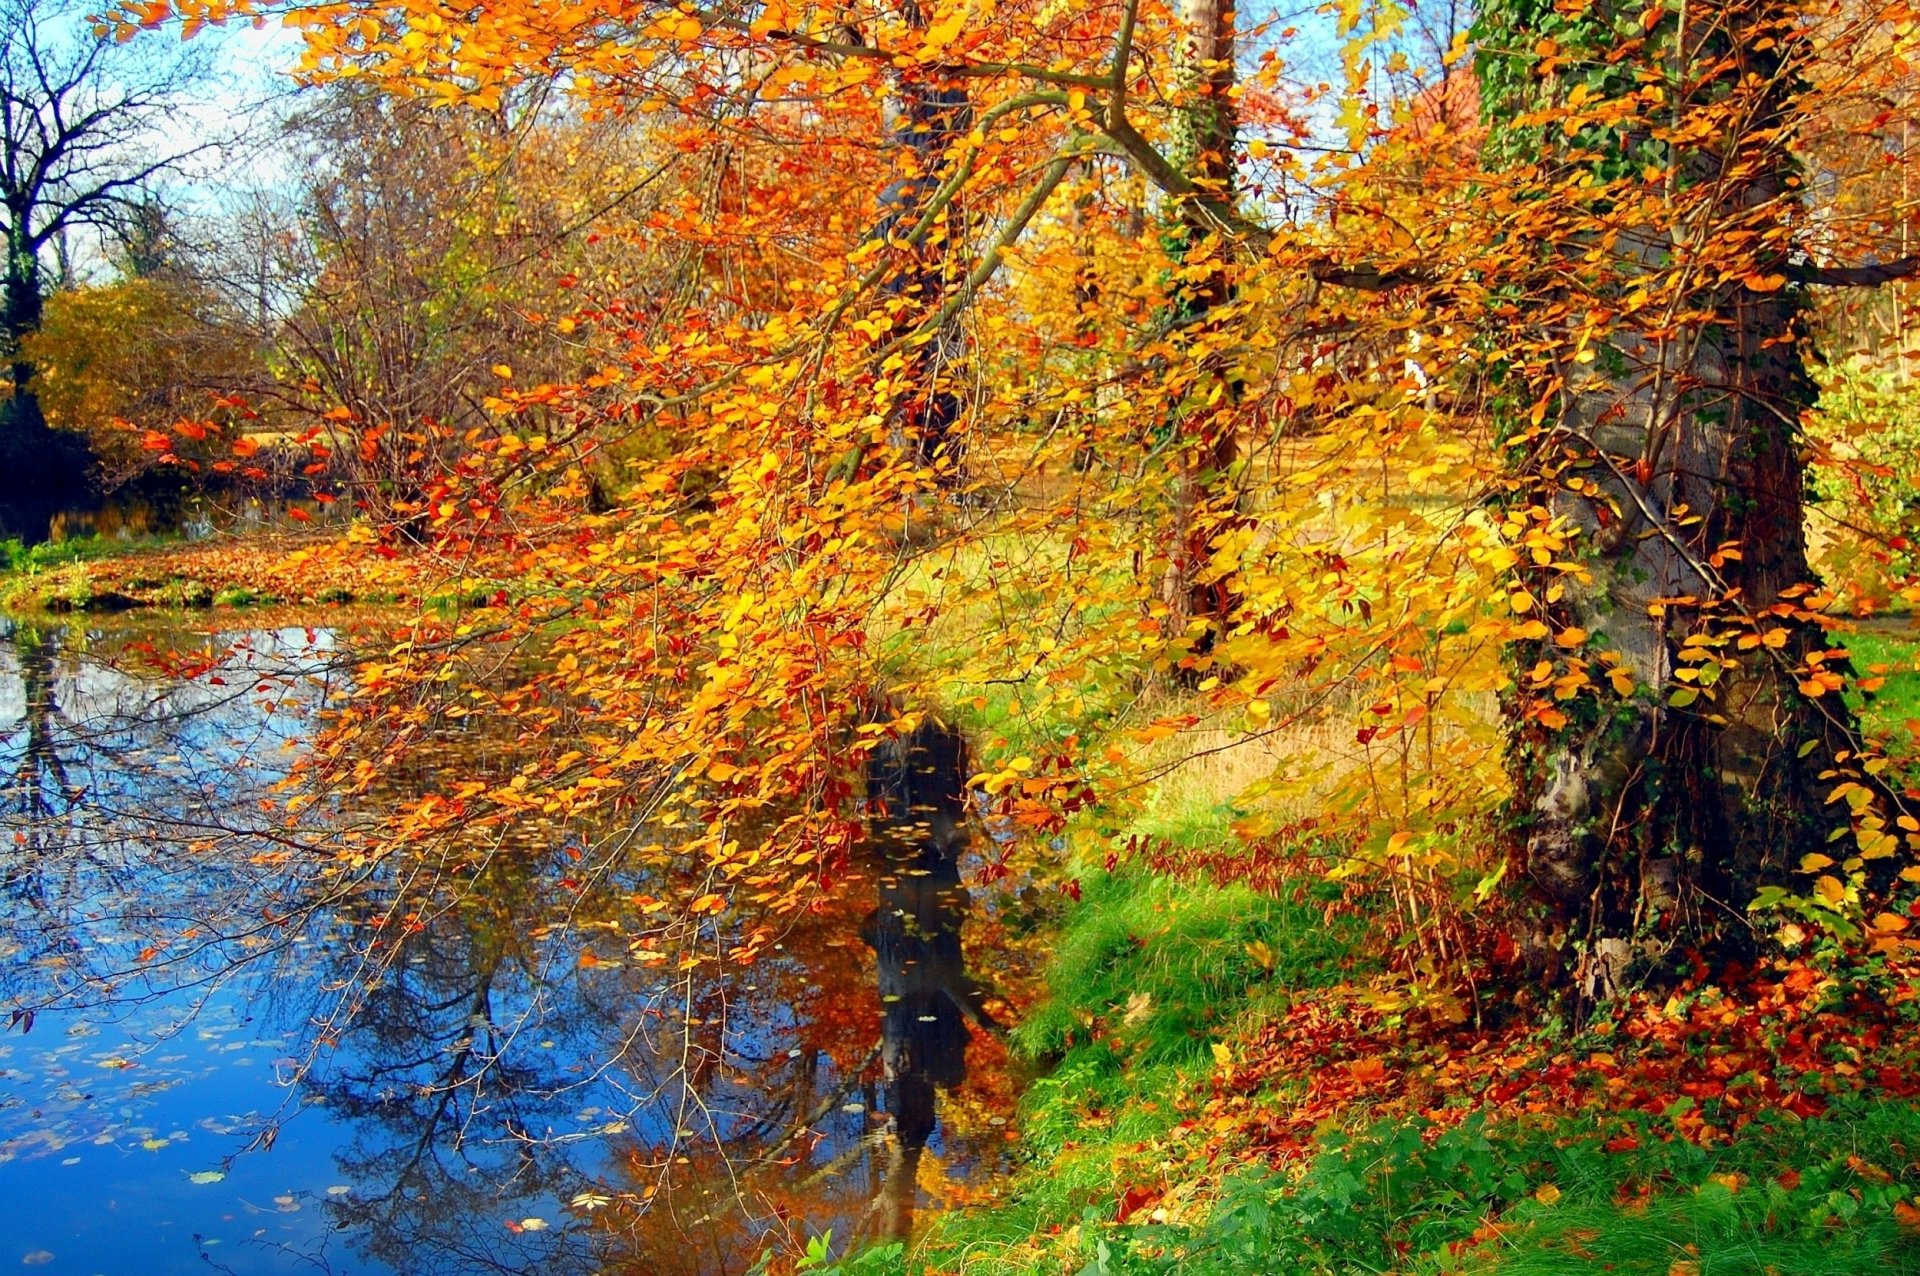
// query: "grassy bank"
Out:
[1233,1087]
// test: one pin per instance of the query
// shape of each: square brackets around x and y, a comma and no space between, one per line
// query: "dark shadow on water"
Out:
[161,506]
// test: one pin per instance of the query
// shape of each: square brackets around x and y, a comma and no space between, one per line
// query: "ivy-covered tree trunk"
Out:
[1667,464]
[1205,134]
[21,304]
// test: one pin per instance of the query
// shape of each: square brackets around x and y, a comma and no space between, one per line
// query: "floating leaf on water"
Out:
[37,1257]
[206,1176]
[533,1224]
[154,1145]
[340,1189]
[72,1160]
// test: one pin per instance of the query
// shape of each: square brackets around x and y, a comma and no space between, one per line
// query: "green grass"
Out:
[1503,1196]
[1157,966]
[1786,1197]
[1897,700]
[18,557]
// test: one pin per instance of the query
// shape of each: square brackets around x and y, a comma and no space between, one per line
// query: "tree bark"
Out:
[40,469]
[1206,132]
[926,117]
[22,302]
[1647,823]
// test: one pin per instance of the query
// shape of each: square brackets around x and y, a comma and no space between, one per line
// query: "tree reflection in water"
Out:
[122,811]
[473,1044]
[917,789]
[493,1076]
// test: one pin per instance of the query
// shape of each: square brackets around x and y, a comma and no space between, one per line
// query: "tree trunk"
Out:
[40,469]
[21,305]
[1649,819]
[925,118]
[1206,131]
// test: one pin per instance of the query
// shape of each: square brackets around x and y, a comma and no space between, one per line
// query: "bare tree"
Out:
[88,126]
[412,251]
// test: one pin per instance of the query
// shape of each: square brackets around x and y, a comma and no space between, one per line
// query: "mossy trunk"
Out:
[1205,135]
[1649,819]
[40,468]
[21,305]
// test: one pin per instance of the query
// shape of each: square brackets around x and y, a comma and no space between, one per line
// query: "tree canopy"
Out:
[1199,373]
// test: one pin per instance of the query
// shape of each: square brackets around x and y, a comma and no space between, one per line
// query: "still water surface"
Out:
[235,1063]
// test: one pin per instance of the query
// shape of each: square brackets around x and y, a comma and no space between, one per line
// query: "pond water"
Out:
[164,512]
[229,1054]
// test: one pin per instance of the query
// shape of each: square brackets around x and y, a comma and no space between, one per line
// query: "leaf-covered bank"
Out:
[98,574]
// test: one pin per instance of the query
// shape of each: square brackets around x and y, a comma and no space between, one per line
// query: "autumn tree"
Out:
[83,122]
[1660,443]
[122,358]
[386,280]
[1205,134]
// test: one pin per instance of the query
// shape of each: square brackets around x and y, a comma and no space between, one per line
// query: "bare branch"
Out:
[1366,278]
[1853,276]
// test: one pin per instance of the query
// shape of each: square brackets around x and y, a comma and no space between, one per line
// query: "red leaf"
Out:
[1132,1201]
